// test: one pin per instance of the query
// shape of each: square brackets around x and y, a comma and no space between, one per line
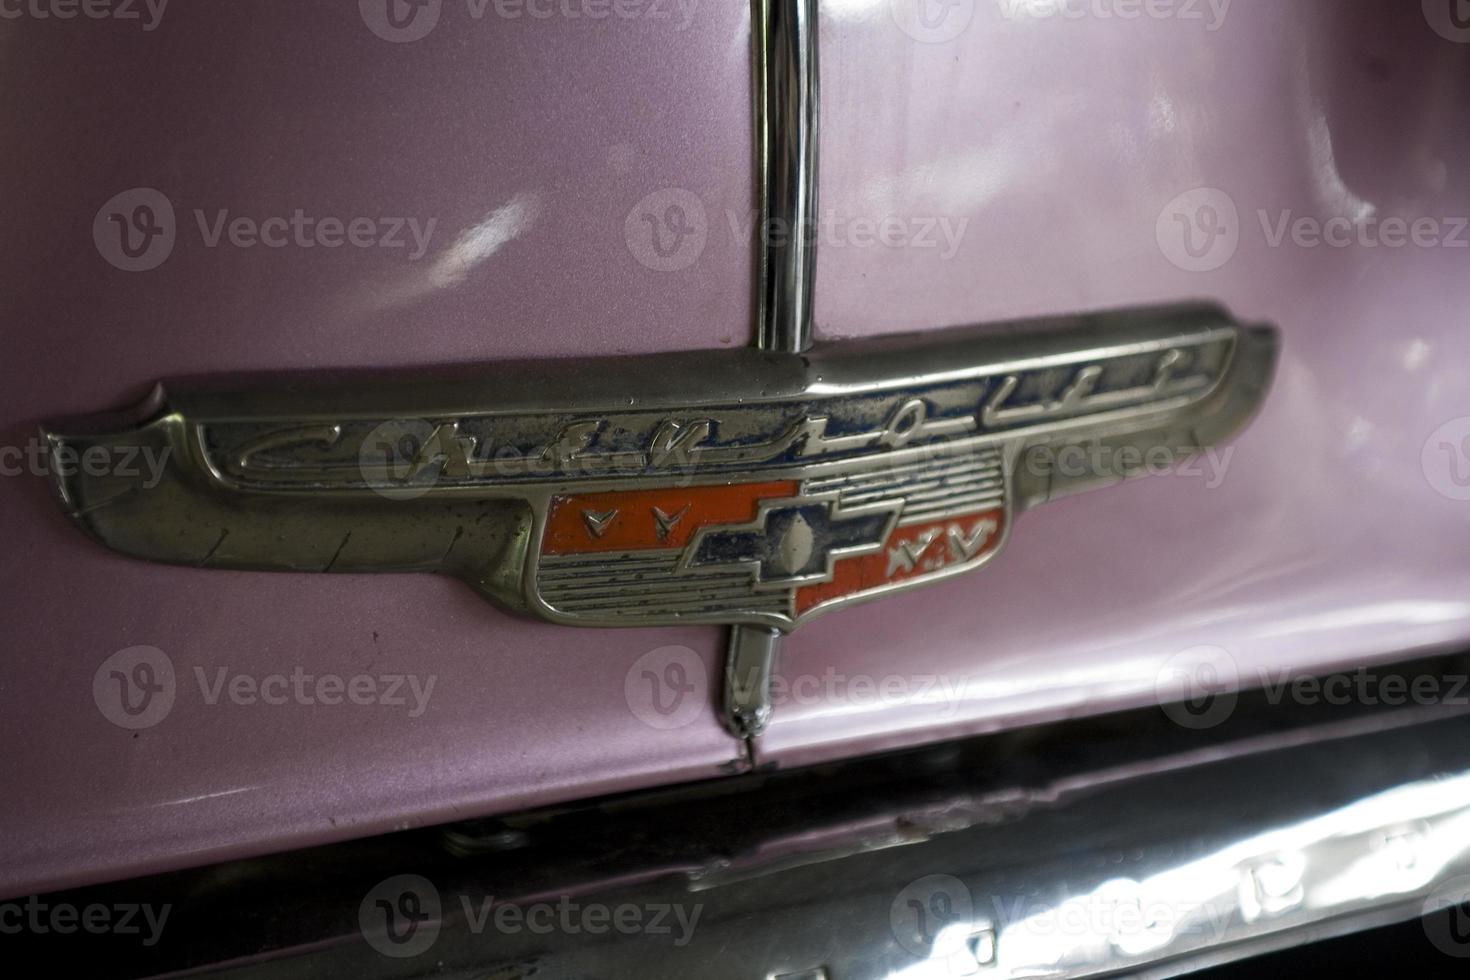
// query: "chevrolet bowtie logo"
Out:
[796,541]
[717,487]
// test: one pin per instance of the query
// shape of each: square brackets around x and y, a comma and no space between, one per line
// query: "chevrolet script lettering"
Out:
[735,487]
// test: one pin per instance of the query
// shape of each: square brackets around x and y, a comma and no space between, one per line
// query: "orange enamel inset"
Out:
[949,543]
[626,520]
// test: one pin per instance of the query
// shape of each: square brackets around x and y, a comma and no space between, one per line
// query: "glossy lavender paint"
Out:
[261,108]
[1061,140]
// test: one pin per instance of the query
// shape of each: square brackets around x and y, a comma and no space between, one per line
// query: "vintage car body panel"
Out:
[1061,140]
[477,116]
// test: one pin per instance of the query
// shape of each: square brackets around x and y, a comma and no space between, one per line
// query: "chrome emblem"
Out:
[738,487]
[757,488]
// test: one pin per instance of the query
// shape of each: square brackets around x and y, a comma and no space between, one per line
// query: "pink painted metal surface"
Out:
[1334,532]
[529,141]
[1061,142]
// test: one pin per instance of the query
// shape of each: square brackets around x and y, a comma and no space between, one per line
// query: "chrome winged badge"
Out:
[739,487]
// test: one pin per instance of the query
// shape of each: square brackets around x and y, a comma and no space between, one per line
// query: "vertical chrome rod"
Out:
[784,42]
[784,35]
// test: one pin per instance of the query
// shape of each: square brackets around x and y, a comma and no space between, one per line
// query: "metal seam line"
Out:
[784,63]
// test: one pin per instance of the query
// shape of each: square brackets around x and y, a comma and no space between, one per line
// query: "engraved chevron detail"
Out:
[667,522]
[597,523]
[905,557]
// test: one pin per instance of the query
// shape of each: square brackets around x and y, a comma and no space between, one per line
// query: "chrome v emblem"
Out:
[597,523]
[667,522]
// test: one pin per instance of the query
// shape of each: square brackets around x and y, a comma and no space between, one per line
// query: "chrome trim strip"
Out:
[747,699]
[784,69]
[783,35]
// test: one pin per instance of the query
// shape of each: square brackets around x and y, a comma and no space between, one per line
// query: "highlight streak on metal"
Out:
[784,42]
[784,35]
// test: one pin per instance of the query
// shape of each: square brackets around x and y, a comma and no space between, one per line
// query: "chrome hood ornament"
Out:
[738,487]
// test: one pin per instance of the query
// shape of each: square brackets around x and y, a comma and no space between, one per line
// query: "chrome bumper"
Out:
[1121,844]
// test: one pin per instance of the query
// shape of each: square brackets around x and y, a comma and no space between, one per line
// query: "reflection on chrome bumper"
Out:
[1120,844]
[1110,870]
[1385,856]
